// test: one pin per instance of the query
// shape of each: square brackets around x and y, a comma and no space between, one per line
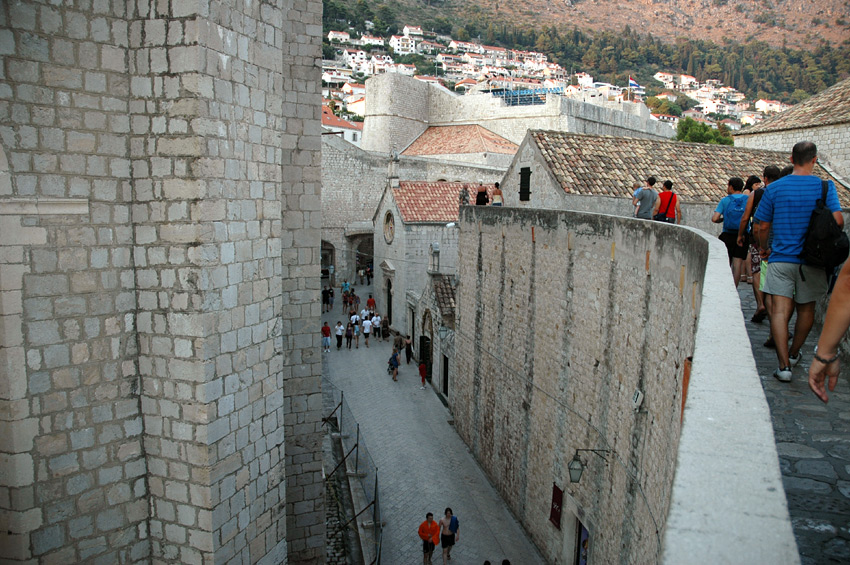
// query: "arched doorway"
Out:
[363,257]
[389,301]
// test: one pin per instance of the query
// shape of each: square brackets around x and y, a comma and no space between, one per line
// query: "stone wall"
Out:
[400,108]
[833,143]
[562,317]
[159,203]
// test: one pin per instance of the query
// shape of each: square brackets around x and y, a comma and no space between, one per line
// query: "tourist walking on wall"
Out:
[481,198]
[746,235]
[644,200]
[429,533]
[787,208]
[497,196]
[326,338]
[729,211]
[339,330]
[463,196]
[449,534]
[825,367]
[667,208]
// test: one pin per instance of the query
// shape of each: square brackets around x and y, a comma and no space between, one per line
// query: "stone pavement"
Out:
[423,465]
[813,440]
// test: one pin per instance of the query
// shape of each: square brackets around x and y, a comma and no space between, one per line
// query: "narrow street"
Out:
[423,465]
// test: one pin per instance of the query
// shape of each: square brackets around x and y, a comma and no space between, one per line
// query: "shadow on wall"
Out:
[564,318]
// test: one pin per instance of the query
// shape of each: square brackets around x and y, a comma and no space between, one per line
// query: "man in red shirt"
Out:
[370,304]
[326,338]
[429,533]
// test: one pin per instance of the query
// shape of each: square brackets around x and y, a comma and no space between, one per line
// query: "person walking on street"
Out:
[349,335]
[326,338]
[786,209]
[326,299]
[367,329]
[429,533]
[423,372]
[340,332]
[394,362]
[385,329]
[449,534]
[370,303]
[330,298]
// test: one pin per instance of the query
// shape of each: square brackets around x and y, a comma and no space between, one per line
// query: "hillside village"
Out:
[473,68]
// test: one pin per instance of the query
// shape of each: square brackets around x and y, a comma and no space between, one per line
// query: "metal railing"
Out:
[358,465]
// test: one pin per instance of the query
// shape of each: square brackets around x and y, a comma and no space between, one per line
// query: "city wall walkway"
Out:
[813,440]
[423,465]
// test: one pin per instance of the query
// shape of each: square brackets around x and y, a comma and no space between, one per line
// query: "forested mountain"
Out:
[753,67]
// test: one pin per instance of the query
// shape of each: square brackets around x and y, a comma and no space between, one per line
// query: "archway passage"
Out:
[364,258]
[425,352]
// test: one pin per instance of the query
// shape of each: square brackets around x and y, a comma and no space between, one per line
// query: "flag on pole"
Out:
[633,83]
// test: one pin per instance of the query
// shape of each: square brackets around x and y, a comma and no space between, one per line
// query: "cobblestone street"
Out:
[423,465]
[813,440]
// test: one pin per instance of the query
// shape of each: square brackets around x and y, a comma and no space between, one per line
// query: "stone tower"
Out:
[159,270]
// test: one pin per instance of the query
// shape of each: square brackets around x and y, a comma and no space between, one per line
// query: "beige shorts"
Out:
[785,279]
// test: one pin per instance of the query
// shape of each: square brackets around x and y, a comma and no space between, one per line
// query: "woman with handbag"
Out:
[667,207]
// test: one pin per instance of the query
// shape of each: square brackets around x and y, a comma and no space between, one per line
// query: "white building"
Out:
[341,36]
[372,40]
[412,30]
[403,44]
[349,131]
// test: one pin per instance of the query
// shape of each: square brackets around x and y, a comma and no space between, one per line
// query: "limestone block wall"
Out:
[159,208]
[73,482]
[833,143]
[561,318]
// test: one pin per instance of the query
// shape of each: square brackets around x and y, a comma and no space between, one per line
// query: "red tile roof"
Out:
[451,140]
[432,202]
[332,121]
[606,165]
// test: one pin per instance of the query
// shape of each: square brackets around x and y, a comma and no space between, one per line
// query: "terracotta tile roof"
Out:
[432,202]
[832,106]
[332,121]
[451,140]
[606,165]
[444,291]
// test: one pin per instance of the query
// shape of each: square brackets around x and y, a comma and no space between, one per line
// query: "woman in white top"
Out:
[497,196]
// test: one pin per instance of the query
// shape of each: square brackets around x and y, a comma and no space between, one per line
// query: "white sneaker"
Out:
[783,375]
[422,388]
[794,360]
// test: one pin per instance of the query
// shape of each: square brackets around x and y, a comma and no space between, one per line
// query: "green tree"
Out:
[693,131]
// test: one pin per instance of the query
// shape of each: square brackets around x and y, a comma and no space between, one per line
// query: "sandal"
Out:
[759,316]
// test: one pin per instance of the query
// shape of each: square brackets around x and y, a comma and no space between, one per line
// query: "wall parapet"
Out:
[608,306]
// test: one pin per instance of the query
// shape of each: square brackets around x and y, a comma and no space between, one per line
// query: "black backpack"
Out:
[826,245]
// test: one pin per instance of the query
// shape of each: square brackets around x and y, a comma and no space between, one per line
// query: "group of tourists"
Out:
[783,233]
[481,196]
[446,533]
[661,206]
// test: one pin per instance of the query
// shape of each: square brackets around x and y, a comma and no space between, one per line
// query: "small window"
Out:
[525,184]
[354,137]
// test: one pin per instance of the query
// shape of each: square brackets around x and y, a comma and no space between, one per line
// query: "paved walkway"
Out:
[813,440]
[422,463]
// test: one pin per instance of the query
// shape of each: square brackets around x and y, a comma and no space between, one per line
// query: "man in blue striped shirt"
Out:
[785,209]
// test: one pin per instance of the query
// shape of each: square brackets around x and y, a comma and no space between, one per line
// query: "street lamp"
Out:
[576,467]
